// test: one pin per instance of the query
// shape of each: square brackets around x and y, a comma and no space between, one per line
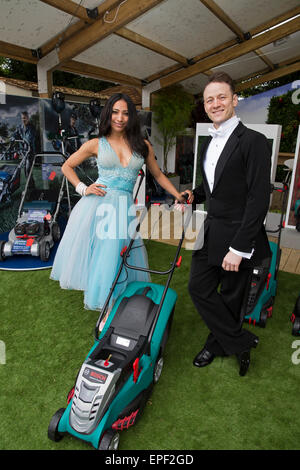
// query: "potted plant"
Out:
[172,109]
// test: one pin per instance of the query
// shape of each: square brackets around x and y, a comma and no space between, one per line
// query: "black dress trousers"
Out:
[218,296]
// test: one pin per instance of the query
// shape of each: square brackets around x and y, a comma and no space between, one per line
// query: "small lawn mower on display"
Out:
[297,214]
[37,229]
[10,173]
[126,360]
[260,296]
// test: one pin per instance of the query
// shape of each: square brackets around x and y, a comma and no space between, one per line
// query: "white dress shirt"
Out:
[214,150]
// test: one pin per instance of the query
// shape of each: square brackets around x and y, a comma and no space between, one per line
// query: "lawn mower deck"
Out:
[118,374]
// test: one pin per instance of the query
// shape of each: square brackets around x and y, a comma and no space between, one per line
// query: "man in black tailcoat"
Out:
[235,163]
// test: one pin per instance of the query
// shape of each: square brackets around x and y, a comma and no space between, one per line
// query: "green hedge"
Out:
[283,111]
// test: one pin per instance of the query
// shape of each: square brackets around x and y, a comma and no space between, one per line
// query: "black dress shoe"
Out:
[244,362]
[203,358]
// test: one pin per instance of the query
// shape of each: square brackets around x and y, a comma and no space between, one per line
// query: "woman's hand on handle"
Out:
[96,188]
[186,196]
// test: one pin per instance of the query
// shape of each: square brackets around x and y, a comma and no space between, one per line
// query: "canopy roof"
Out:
[151,44]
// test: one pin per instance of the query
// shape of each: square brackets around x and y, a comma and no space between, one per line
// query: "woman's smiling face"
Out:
[119,116]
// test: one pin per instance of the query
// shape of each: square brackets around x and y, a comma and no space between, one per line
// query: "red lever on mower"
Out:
[123,250]
[268,280]
[179,261]
[136,371]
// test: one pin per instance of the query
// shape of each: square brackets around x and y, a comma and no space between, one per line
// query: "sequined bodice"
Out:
[112,173]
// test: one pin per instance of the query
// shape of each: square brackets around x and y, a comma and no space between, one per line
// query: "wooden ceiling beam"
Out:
[155,47]
[289,61]
[223,17]
[278,19]
[277,73]
[17,52]
[203,55]
[70,7]
[149,44]
[233,52]
[265,59]
[25,55]
[275,21]
[99,73]
[80,12]
[100,29]
[77,26]
[62,36]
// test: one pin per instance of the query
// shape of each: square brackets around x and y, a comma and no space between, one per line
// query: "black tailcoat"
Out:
[239,201]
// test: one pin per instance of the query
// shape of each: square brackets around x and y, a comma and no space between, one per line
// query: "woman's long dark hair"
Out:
[133,128]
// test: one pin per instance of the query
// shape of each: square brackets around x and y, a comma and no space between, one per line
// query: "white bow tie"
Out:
[216,132]
[225,129]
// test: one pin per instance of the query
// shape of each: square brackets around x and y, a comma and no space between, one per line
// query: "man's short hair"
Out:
[221,77]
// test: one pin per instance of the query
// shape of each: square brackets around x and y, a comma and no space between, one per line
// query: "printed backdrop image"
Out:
[32,125]
[20,139]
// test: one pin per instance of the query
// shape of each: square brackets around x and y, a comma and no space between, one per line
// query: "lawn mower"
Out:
[10,173]
[295,318]
[260,296]
[297,214]
[126,360]
[37,229]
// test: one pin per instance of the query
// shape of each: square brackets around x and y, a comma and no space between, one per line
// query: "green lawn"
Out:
[47,334]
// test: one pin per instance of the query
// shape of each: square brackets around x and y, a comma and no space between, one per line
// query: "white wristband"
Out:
[81,188]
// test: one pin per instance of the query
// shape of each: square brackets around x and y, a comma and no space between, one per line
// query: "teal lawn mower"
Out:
[297,214]
[125,362]
[295,318]
[260,296]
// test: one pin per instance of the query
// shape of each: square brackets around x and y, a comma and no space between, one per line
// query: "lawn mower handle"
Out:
[127,251]
[125,254]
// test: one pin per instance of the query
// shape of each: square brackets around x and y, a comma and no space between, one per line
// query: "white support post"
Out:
[146,93]
[44,70]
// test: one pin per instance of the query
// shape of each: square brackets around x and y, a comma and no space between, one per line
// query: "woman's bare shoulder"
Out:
[92,146]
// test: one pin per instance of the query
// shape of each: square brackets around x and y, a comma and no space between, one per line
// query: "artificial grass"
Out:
[47,334]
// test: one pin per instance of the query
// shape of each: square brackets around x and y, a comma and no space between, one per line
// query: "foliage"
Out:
[282,110]
[70,80]
[269,85]
[12,68]
[172,110]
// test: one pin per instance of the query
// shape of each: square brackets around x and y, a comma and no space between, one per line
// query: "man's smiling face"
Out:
[219,102]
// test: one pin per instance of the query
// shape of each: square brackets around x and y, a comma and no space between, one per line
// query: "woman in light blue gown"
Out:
[88,256]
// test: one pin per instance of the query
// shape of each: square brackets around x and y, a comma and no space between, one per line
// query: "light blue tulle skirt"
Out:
[88,256]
